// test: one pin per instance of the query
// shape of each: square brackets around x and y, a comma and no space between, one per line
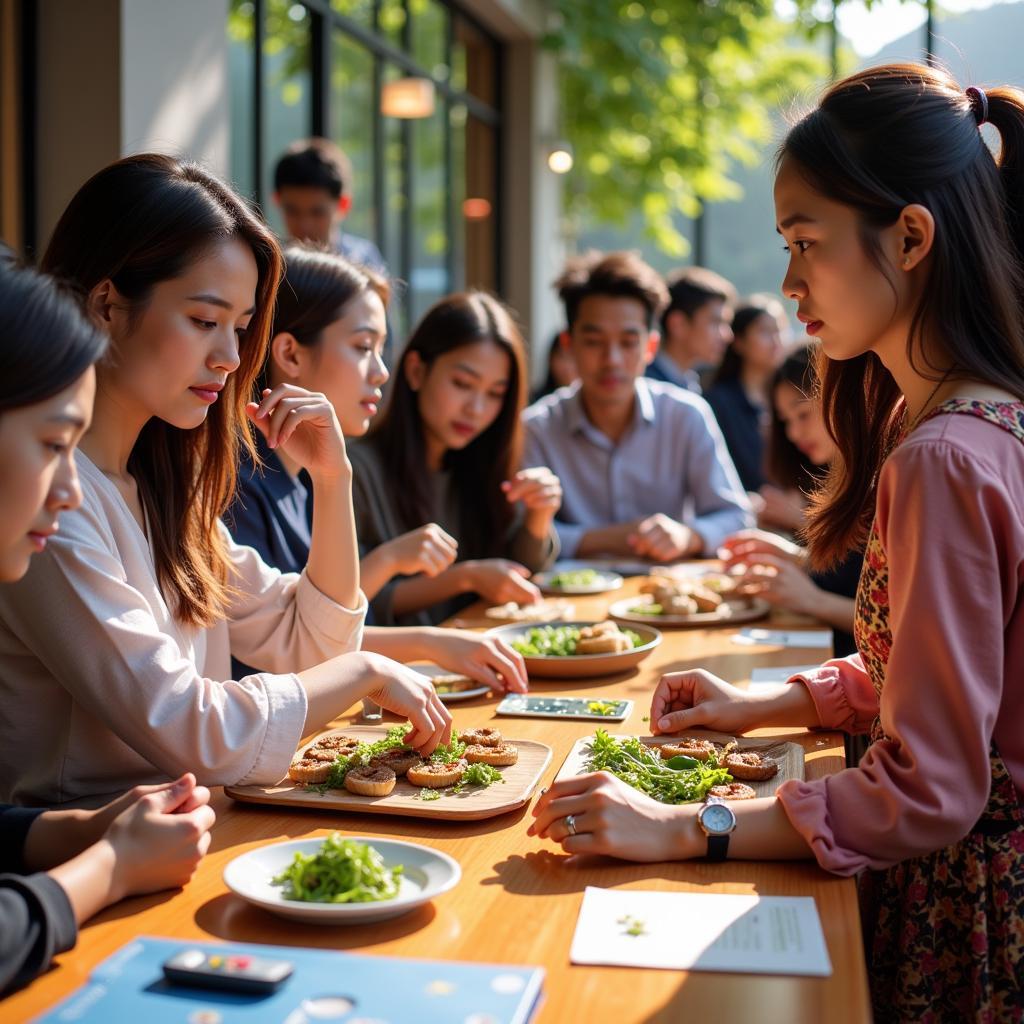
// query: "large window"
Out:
[425,189]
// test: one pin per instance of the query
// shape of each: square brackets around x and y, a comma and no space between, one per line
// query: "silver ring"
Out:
[570,823]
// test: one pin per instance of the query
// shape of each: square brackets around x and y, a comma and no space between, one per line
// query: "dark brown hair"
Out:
[318,284]
[747,313]
[46,343]
[140,221]
[878,141]
[479,469]
[617,274]
[314,163]
[693,287]
[787,465]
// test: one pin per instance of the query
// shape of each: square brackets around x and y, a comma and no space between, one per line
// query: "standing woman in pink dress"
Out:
[906,256]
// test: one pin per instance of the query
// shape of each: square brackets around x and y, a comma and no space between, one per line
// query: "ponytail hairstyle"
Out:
[46,342]
[318,284]
[479,469]
[143,220]
[878,141]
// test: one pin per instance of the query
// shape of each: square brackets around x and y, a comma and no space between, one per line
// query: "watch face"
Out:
[718,819]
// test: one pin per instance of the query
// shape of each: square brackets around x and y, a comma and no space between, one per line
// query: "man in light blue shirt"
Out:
[643,465]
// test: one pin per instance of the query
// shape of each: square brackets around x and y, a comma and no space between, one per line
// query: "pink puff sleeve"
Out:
[945,522]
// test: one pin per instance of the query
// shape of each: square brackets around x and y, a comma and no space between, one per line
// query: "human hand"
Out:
[781,508]
[540,491]
[428,550]
[500,580]
[304,426]
[614,819]
[747,546]
[486,659]
[411,695]
[662,539]
[783,583]
[695,698]
[159,838]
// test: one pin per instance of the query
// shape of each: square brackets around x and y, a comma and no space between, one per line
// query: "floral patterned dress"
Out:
[944,933]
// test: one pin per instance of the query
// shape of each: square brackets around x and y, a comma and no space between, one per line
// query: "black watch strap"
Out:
[718,847]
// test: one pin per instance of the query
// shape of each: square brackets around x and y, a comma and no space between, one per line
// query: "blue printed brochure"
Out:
[325,985]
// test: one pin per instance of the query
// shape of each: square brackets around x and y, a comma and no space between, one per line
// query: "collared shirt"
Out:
[664,368]
[672,459]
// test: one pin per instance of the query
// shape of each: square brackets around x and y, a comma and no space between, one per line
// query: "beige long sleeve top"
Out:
[102,689]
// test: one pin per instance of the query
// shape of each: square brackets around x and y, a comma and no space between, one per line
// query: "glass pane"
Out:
[457,188]
[242,88]
[474,63]
[394,206]
[360,11]
[352,121]
[428,275]
[430,36]
[479,210]
[289,87]
[391,19]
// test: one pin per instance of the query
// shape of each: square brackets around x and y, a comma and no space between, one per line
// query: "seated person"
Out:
[115,646]
[798,434]
[694,327]
[328,336]
[446,450]
[61,867]
[739,394]
[643,465]
[561,369]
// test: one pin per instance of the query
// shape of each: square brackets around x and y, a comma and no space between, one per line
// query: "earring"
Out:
[906,261]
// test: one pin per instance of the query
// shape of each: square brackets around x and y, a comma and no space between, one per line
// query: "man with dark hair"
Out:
[695,327]
[643,465]
[313,188]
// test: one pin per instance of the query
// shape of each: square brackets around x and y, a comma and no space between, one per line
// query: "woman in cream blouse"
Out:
[115,648]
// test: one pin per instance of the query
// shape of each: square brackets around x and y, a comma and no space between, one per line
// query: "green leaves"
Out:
[342,871]
[661,99]
[677,781]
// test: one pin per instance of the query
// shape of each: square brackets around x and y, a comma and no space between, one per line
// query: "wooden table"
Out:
[519,897]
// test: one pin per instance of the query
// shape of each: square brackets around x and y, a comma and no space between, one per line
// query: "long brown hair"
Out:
[138,222]
[878,141]
[479,469]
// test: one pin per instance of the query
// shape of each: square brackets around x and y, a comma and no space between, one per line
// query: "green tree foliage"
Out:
[663,98]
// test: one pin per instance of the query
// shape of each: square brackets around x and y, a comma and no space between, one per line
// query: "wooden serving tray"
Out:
[520,781]
[790,756]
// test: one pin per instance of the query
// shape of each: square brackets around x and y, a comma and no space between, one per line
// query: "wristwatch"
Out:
[717,821]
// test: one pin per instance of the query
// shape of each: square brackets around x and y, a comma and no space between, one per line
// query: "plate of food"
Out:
[450,686]
[548,610]
[576,650]
[691,601]
[688,767]
[578,581]
[479,774]
[341,879]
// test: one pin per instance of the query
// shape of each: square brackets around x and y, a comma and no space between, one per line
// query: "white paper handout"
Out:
[772,677]
[723,932]
[784,637]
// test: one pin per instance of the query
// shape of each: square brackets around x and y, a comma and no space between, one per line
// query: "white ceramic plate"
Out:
[579,666]
[730,612]
[603,582]
[427,873]
[450,698]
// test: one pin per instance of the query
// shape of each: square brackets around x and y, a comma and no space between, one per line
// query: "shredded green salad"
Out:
[574,578]
[680,780]
[557,641]
[343,871]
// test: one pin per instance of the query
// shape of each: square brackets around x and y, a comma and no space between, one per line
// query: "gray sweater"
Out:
[374,492]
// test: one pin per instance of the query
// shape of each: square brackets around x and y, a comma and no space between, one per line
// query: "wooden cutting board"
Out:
[789,756]
[473,803]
